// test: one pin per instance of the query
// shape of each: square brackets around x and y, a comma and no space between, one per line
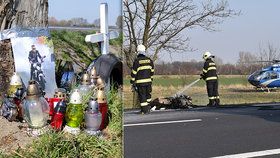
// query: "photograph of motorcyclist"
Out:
[35,59]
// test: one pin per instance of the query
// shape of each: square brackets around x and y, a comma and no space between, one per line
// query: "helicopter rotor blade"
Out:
[264,61]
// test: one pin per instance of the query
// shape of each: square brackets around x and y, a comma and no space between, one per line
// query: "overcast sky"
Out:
[258,24]
[88,9]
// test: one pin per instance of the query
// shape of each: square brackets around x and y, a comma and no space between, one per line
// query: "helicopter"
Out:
[268,77]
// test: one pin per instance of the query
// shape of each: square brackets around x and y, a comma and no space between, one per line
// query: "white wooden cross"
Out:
[104,34]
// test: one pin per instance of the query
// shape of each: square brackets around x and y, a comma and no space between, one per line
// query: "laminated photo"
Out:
[34,60]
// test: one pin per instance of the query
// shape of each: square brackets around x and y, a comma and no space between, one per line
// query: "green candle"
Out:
[74,111]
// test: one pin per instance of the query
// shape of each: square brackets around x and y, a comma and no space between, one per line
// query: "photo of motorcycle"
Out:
[37,73]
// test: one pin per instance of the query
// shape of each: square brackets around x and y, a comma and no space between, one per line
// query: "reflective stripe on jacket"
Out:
[142,71]
[209,70]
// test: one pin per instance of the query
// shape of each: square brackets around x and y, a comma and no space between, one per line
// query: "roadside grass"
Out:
[233,89]
[181,80]
[58,144]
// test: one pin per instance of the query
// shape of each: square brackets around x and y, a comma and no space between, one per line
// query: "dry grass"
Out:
[231,92]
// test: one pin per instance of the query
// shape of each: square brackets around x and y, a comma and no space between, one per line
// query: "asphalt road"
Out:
[203,132]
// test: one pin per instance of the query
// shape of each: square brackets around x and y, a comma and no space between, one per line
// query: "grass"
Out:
[173,80]
[233,89]
[58,144]
[71,46]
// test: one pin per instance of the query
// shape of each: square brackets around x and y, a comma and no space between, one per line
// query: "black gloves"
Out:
[202,76]
[133,88]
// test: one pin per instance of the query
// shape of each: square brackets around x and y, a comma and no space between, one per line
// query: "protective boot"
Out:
[211,103]
[217,102]
[145,109]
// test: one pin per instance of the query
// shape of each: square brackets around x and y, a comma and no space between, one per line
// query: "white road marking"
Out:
[165,122]
[252,154]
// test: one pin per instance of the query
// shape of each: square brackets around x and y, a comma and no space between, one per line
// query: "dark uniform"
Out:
[141,78]
[33,58]
[210,76]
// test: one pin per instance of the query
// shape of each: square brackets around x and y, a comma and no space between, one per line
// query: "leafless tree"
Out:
[248,62]
[246,58]
[119,22]
[269,52]
[158,24]
[218,60]
[78,21]
[96,22]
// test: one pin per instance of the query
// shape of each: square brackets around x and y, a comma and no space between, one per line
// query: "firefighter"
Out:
[210,76]
[142,77]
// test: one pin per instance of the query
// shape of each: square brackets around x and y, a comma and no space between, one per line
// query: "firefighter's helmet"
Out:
[141,48]
[206,55]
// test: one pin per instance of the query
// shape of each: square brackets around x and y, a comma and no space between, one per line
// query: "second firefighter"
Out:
[141,78]
[210,76]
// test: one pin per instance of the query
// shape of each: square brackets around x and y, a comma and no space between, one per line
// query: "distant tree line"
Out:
[246,64]
[81,22]
[195,68]
[72,22]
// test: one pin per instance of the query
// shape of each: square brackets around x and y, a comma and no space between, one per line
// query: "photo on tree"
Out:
[34,60]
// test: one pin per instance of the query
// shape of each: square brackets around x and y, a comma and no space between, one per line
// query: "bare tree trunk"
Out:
[17,13]
[6,64]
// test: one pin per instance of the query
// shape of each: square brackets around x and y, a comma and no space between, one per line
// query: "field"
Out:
[233,89]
